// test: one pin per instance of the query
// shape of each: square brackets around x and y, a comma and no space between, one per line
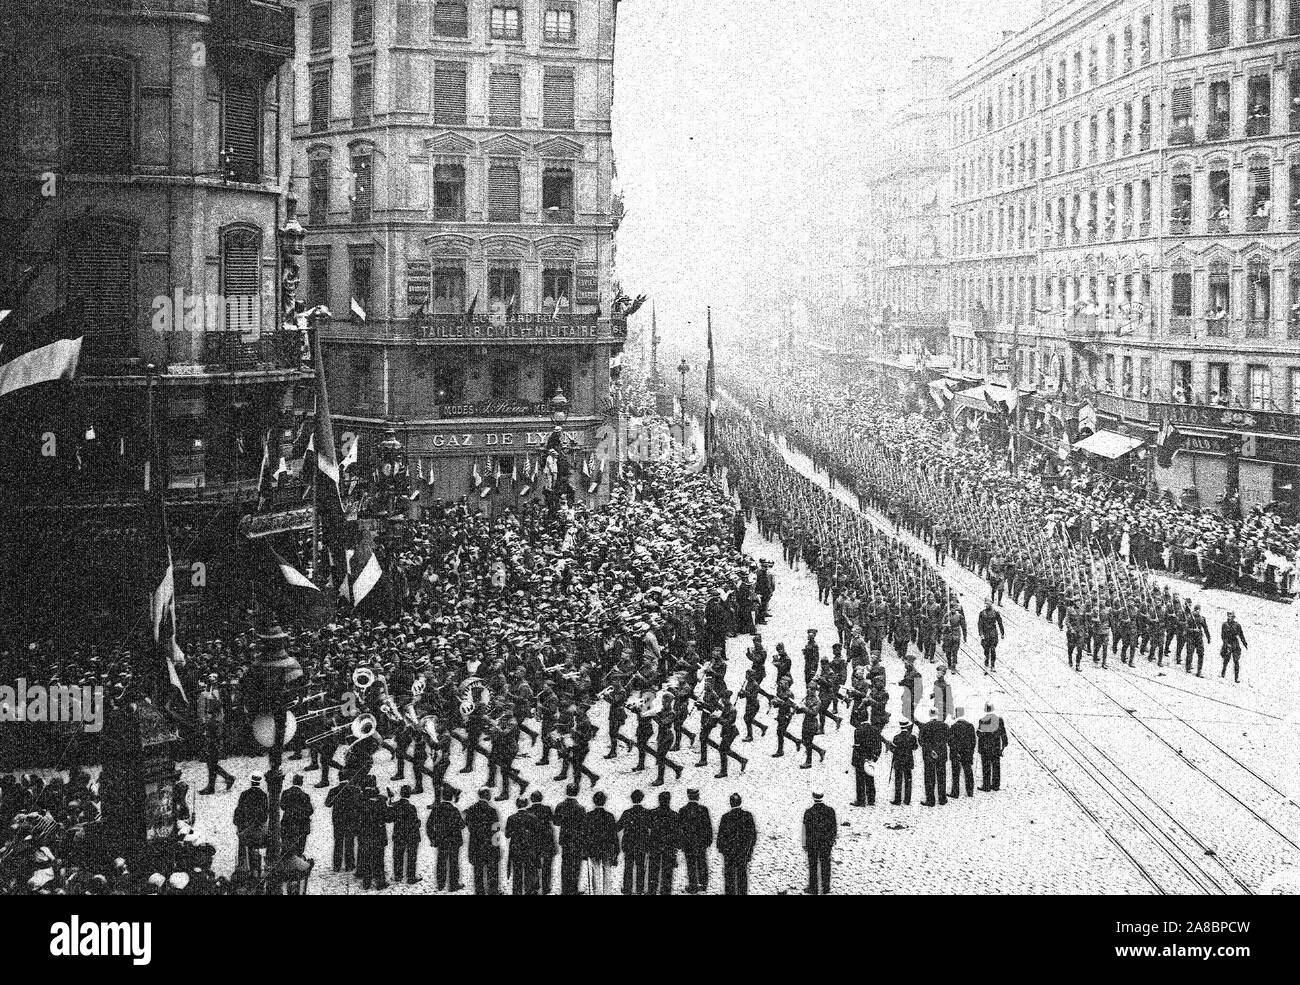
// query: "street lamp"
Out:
[559,408]
[269,687]
[683,368]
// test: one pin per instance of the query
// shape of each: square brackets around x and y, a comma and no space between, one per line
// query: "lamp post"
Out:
[555,443]
[268,687]
[683,368]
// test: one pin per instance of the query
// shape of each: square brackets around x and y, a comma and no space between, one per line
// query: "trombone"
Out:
[362,727]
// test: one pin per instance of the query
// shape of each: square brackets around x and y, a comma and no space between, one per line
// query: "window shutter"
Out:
[450,20]
[320,101]
[320,26]
[363,21]
[449,93]
[363,94]
[100,282]
[242,136]
[503,193]
[1181,101]
[100,115]
[318,196]
[363,197]
[557,99]
[1219,16]
[240,280]
[503,99]
[404,22]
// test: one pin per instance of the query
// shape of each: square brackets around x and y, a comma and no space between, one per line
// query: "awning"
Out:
[1108,444]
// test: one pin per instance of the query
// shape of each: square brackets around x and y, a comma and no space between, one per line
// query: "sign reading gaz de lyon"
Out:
[453,442]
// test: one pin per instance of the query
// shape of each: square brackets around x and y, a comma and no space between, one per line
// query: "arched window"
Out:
[101,284]
[100,115]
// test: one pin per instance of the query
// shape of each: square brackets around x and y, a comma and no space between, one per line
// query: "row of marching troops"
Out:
[1106,607]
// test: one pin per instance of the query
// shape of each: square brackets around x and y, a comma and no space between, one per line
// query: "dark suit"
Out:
[635,826]
[568,818]
[481,818]
[445,828]
[696,829]
[344,802]
[961,754]
[664,841]
[820,829]
[545,848]
[295,820]
[934,757]
[406,840]
[737,836]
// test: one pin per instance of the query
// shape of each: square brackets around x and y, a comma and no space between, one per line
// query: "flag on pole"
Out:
[710,390]
[365,564]
[348,443]
[469,312]
[530,475]
[358,312]
[162,611]
[48,351]
[329,498]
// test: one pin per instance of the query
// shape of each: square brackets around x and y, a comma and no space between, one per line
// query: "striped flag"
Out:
[368,571]
[358,312]
[329,498]
[162,611]
[46,352]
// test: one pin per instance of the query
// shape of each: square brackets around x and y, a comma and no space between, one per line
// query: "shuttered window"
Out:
[363,94]
[362,188]
[101,281]
[362,280]
[1180,101]
[320,27]
[450,20]
[557,99]
[449,93]
[503,99]
[503,192]
[240,279]
[99,115]
[1220,23]
[1180,294]
[320,101]
[404,22]
[318,278]
[449,192]
[318,192]
[363,21]
[241,125]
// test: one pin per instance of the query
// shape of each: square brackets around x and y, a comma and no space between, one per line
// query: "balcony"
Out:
[1217,225]
[255,27]
[1180,325]
[1259,125]
[1293,220]
[1216,328]
[1218,130]
[540,329]
[1258,32]
[1197,415]
[1219,39]
[1144,142]
[1257,328]
[449,213]
[234,352]
[557,215]
[1181,135]
[1257,224]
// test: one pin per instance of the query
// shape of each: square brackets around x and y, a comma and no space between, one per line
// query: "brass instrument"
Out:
[363,678]
[362,727]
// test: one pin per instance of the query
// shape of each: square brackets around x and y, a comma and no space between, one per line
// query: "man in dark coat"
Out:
[961,754]
[251,815]
[295,818]
[867,745]
[695,826]
[445,828]
[1232,638]
[406,838]
[344,803]
[904,761]
[991,737]
[372,838]
[598,835]
[545,846]
[521,860]
[635,827]
[820,830]
[664,841]
[568,819]
[934,758]
[484,824]
[737,836]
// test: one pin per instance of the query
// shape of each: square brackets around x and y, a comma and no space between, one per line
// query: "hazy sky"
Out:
[733,124]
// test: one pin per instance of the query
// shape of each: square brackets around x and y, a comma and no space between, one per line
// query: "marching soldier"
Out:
[991,630]
[1198,634]
[1232,639]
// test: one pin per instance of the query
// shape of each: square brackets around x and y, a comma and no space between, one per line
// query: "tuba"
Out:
[363,678]
[362,727]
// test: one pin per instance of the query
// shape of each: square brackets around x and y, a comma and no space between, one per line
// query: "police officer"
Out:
[904,749]
[867,745]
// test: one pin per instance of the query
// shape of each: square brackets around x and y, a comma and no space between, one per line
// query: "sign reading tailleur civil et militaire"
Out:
[450,441]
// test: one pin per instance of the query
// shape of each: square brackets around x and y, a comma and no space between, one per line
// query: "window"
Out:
[1182,39]
[320,101]
[1220,187]
[1217,384]
[1180,381]
[1260,381]
[362,187]
[505,380]
[1110,57]
[557,26]
[1144,39]
[363,94]
[1220,110]
[449,383]
[318,191]
[449,192]
[1180,294]
[1180,103]
[241,289]
[321,26]
[450,20]
[503,286]
[363,21]
[1259,20]
[1219,306]
[1259,303]
[557,288]
[1047,85]
[1293,123]
[1144,128]
[503,99]
[557,99]
[362,379]
[241,131]
[1220,23]
[101,280]
[449,290]
[1260,191]
[1076,159]
[1092,65]
[1259,98]
[557,376]
[504,24]
[1180,219]
[100,112]
[318,279]
[1060,78]
[1128,48]
[1293,179]
[362,267]
[1293,20]
[557,194]
[449,93]
[503,192]
[1295,391]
